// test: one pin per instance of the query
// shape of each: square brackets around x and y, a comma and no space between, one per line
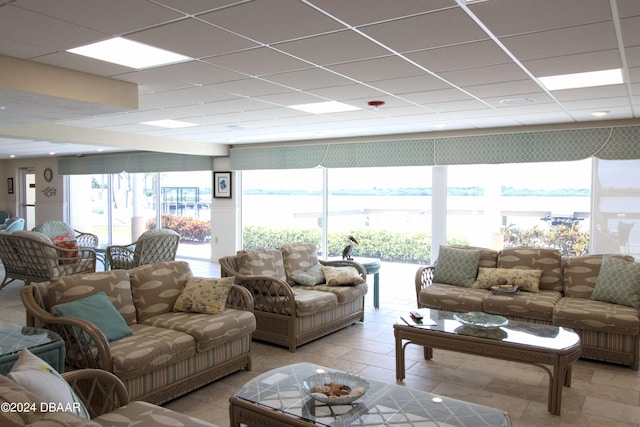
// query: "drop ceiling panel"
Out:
[192,38]
[485,75]
[196,72]
[566,41]
[105,16]
[197,6]
[348,92]
[442,28]
[308,79]
[150,82]
[288,19]
[371,70]
[359,12]
[258,62]
[342,46]
[462,56]
[514,88]
[411,84]
[252,87]
[631,31]
[529,16]
[590,61]
[182,97]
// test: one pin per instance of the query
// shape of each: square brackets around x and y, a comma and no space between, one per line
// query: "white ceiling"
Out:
[431,61]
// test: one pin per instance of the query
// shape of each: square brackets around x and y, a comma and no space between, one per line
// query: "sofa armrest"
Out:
[424,278]
[86,346]
[239,298]
[344,263]
[100,391]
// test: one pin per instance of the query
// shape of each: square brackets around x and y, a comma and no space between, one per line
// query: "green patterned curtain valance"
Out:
[134,163]
[617,143]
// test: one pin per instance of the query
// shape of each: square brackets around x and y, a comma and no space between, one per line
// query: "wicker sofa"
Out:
[168,353]
[609,332]
[104,396]
[287,313]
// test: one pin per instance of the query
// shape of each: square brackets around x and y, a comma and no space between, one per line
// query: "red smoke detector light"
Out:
[376,104]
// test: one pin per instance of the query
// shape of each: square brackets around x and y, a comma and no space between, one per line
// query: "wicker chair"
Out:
[30,256]
[53,229]
[153,246]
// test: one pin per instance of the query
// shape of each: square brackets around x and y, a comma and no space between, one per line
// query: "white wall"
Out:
[226,222]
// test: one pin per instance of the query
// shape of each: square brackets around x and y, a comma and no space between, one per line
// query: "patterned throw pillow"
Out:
[66,241]
[204,295]
[335,276]
[310,277]
[457,266]
[37,376]
[527,280]
[618,282]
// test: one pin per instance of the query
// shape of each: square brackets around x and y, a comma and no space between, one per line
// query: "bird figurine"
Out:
[346,252]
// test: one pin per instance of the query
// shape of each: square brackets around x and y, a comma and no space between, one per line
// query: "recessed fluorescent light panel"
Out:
[170,124]
[324,107]
[580,80]
[129,53]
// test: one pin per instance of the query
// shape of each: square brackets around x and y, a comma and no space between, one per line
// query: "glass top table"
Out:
[276,398]
[493,336]
[41,342]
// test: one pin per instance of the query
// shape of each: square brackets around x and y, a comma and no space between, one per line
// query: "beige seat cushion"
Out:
[345,293]
[208,330]
[156,287]
[141,414]
[452,298]
[579,313]
[115,284]
[149,348]
[530,305]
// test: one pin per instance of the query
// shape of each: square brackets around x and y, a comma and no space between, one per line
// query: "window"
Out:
[533,204]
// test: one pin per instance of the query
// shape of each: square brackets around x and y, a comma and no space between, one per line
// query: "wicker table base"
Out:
[561,349]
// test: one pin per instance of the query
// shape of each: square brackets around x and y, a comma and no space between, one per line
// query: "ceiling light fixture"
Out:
[169,124]
[517,101]
[582,80]
[129,53]
[600,113]
[324,107]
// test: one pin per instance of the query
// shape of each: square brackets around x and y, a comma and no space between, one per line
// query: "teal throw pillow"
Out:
[618,282]
[98,310]
[457,266]
[310,277]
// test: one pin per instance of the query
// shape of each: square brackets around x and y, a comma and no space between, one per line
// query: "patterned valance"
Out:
[615,143]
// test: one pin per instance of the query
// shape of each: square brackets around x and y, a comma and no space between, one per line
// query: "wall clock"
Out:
[48,174]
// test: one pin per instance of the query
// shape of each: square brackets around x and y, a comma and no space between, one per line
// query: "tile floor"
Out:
[601,394]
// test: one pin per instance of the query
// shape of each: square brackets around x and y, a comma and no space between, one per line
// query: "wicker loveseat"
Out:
[609,331]
[104,396]
[168,353]
[289,314]
[32,257]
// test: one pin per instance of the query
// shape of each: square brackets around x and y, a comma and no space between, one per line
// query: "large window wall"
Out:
[580,207]
[120,207]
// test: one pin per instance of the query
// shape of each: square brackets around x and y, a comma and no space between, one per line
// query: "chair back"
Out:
[4,215]
[53,229]
[156,245]
[14,224]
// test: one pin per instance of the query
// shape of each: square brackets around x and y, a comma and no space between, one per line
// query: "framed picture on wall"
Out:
[222,185]
[10,185]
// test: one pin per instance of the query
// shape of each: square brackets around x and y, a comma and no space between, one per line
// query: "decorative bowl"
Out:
[481,320]
[316,386]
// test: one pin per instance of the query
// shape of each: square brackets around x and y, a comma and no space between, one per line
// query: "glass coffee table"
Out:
[276,398]
[552,348]
[45,344]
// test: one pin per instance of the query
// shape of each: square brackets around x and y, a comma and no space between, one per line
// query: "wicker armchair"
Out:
[153,246]
[30,256]
[53,229]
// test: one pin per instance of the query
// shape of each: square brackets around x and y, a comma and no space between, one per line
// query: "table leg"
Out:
[376,290]
[399,357]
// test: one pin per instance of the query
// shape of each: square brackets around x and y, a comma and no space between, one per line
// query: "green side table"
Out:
[43,343]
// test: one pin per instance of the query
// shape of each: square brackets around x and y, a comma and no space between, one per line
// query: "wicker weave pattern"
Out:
[53,229]
[153,246]
[30,256]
